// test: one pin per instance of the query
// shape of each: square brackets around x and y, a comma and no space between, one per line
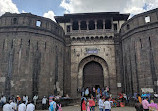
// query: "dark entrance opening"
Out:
[93,75]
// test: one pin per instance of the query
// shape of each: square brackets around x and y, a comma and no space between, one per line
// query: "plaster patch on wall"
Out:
[51,79]
[2,79]
[23,80]
[12,84]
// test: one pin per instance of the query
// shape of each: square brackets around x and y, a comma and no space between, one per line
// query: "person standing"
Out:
[107,104]
[139,98]
[44,102]
[35,99]
[93,92]
[30,107]
[91,104]
[25,98]
[138,106]
[83,105]
[52,106]
[145,104]
[14,105]
[98,90]
[18,98]
[7,107]
[101,104]
[3,100]
[87,92]
[82,92]
[22,106]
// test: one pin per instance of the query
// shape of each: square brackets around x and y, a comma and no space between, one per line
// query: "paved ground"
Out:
[77,108]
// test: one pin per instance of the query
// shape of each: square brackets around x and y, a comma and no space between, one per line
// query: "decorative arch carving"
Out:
[97,59]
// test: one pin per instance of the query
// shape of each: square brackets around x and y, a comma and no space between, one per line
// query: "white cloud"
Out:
[49,14]
[7,6]
[23,11]
[123,6]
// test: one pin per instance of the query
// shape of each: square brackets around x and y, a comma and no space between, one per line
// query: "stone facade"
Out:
[39,56]
[92,38]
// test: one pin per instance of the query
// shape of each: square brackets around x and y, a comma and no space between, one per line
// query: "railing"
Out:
[91,32]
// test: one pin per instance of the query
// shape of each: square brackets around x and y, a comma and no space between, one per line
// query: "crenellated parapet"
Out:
[26,21]
[140,22]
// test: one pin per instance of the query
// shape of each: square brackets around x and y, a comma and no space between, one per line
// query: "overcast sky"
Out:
[50,8]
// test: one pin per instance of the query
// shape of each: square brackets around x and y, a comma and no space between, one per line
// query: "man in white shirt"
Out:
[30,107]
[3,100]
[44,102]
[25,98]
[7,107]
[35,99]
[101,104]
[107,104]
[14,105]
[22,106]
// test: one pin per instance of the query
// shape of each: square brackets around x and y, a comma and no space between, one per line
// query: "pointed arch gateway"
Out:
[93,70]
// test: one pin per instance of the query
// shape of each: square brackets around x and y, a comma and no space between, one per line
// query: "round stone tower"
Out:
[31,55]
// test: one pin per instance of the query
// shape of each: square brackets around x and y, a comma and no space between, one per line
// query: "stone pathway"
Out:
[77,108]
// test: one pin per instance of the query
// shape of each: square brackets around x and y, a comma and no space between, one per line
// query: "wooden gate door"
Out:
[93,75]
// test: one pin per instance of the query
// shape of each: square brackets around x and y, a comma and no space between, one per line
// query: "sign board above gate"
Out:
[92,50]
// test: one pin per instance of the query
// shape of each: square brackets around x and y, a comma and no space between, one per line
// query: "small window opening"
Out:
[38,23]
[78,38]
[87,38]
[99,24]
[68,28]
[73,38]
[91,25]
[29,42]
[75,25]
[147,19]
[108,24]
[20,43]
[128,26]
[83,25]
[115,27]
[141,43]
[12,43]
[15,21]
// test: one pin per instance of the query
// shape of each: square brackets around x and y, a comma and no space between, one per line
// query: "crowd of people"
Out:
[145,102]
[95,92]
[89,104]
[24,104]
[91,97]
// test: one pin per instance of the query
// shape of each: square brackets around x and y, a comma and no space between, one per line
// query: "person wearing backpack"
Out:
[52,106]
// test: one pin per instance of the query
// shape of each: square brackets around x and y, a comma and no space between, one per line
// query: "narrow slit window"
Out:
[128,26]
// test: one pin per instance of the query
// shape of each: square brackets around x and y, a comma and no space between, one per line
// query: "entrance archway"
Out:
[93,75]
[87,62]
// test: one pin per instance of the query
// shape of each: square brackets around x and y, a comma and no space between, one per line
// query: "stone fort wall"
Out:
[139,38]
[32,54]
